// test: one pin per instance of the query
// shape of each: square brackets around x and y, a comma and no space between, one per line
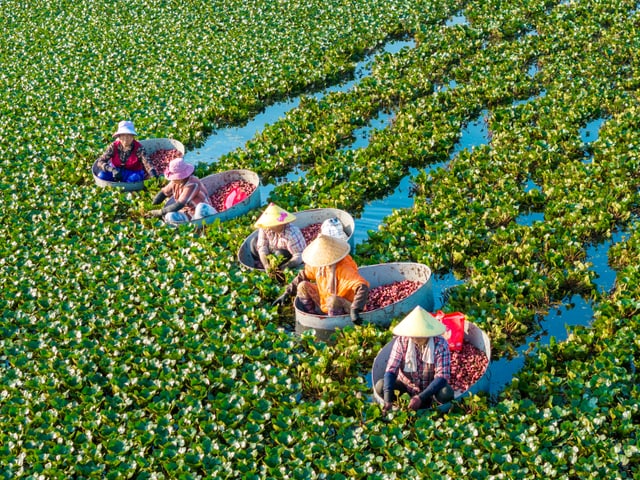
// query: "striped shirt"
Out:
[419,380]
[191,193]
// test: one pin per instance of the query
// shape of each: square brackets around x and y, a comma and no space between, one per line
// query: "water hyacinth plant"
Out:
[133,351]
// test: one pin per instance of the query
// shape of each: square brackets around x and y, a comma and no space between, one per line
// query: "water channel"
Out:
[557,323]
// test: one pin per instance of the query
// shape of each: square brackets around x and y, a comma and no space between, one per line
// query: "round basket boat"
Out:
[151,146]
[472,334]
[218,180]
[304,218]
[377,275]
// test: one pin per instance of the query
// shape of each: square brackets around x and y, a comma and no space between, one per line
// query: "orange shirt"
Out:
[347,280]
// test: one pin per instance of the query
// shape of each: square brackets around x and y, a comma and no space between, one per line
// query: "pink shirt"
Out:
[191,193]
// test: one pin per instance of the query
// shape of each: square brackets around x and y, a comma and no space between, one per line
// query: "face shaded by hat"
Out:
[274,216]
[419,324]
[125,127]
[325,250]
[178,169]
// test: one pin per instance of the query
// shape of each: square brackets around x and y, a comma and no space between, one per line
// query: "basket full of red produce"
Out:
[233,193]
[395,289]
[469,364]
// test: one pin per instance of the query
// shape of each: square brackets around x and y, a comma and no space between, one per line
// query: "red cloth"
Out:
[132,163]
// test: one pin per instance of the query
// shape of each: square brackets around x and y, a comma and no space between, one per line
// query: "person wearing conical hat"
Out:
[330,283]
[125,160]
[277,235]
[419,363]
[191,198]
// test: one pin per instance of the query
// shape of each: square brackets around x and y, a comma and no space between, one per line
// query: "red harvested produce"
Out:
[160,158]
[219,196]
[467,366]
[383,295]
[310,232]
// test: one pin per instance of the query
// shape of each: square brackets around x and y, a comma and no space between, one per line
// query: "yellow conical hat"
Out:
[274,215]
[325,250]
[419,323]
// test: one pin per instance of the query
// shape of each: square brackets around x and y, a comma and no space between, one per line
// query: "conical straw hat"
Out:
[325,250]
[274,215]
[419,323]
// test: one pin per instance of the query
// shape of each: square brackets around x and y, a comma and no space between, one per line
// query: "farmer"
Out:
[277,236]
[338,289]
[192,200]
[419,363]
[333,227]
[125,160]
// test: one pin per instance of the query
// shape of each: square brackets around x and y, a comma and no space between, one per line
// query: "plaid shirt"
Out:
[290,239]
[419,380]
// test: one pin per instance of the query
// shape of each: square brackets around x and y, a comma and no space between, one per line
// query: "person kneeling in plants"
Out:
[278,237]
[192,200]
[338,289]
[125,160]
[419,363]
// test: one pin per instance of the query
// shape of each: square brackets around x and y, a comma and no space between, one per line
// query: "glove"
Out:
[117,174]
[155,213]
[281,300]
[355,317]
[415,403]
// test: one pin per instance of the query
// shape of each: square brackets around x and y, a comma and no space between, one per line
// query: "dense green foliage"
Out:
[132,350]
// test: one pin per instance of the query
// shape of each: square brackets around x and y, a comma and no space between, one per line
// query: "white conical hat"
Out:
[419,323]
[325,250]
[274,215]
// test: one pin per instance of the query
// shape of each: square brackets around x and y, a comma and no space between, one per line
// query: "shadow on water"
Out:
[575,311]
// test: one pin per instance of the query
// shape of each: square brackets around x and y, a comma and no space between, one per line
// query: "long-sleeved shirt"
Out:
[190,194]
[346,282]
[419,380]
[290,239]
[104,160]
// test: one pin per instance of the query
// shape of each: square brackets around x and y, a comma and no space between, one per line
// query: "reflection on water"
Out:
[557,323]
[226,140]
[457,19]
[474,134]
[598,255]
[363,134]
[588,134]
[438,87]
[530,185]
[576,311]
[529,218]
[542,94]
[376,211]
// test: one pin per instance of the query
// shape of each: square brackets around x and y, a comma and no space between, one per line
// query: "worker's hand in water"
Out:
[281,300]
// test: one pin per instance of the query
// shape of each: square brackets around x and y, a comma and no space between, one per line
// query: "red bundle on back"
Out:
[454,322]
